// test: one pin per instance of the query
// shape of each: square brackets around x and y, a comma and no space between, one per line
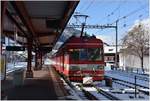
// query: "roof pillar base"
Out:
[29,74]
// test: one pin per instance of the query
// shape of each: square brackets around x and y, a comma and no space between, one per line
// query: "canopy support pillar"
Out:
[29,72]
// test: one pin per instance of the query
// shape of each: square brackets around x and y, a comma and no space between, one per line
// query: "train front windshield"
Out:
[89,54]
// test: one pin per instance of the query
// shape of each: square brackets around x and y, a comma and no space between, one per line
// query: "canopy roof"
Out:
[40,21]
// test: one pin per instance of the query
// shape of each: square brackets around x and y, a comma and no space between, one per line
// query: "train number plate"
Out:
[87,80]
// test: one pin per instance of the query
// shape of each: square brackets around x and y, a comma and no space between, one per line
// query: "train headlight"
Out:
[70,50]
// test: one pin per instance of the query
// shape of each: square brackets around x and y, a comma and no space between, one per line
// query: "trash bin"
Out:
[108,82]
[18,77]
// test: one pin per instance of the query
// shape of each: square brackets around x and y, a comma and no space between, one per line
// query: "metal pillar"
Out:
[4,6]
[40,59]
[83,24]
[29,72]
[36,60]
[135,87]
[116,57]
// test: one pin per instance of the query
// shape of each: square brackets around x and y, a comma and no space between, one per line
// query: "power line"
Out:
[92,1]
[113,12]
[117,8]
[130,24]
[126,16]
[83,5]
[129,14]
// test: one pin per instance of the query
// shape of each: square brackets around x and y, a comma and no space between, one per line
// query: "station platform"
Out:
[45,85]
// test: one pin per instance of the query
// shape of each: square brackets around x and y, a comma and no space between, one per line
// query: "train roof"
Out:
[89,39]
[76,39]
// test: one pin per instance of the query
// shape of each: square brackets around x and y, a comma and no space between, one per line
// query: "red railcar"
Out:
[80,57]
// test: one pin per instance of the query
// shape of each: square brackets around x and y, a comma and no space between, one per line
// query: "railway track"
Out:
[87,94]
[90,96]
[127,82]
[131,86]
[100,92]
[106,94]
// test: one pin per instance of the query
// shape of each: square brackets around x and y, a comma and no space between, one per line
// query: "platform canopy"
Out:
[40,21]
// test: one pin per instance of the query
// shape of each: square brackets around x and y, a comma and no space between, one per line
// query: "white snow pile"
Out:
[73,93]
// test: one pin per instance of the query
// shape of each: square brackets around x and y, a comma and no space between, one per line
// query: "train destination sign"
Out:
[15,48]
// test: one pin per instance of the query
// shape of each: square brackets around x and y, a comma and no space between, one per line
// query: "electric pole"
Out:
[116,55]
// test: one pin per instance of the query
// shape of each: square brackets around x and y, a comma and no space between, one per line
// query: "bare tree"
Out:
[136,42]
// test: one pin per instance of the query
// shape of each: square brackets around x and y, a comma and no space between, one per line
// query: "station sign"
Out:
[15,48]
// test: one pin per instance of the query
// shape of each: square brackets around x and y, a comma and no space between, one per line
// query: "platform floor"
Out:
[45,85]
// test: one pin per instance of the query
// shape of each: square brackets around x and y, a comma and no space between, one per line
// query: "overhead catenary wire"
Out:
[92,1]
[129,14]
[123,17]
[82,6]
[117,8]
[113,11]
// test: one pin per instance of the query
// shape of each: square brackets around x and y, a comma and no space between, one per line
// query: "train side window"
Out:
[74,53]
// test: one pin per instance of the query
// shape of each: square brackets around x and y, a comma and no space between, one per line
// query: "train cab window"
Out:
[83,54]
[95,54]
[90,54]
[74,53]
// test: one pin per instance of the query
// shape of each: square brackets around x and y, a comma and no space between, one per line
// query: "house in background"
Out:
[109,55]
[132,62]
[125,61]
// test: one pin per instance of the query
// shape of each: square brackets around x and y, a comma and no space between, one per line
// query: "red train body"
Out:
[80,57]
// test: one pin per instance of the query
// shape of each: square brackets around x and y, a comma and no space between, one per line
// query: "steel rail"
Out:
[127,82]
[145,92]
[106,94]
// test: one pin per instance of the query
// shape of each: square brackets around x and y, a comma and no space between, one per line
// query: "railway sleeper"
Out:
[109,96]
[87,94]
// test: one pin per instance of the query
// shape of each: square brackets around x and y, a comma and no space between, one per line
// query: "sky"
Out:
[102,12]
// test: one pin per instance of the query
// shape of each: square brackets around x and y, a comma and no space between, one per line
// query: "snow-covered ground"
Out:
[94,92]
[131,74]
[122,92]
[18,65]
[128,77]
[10,67]
[75,94]
[118,90]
